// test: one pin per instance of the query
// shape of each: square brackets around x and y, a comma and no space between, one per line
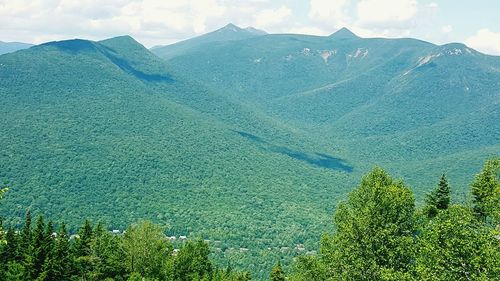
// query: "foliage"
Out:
[452,245]
[192,261]
[142,253]
[108,131]
[486,191]
[277,273]
[455,246]
[375,229]
[147,250]
[438,199]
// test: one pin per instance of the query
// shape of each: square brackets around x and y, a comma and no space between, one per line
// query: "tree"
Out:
[108,255]
[14,272]
[455,246]
[11,250]
[277,273]
[486,191]
[48,267]
[374,236]
[2,239]
[192,261]
[61,257]
[26,232]
[308,267]
[39,248]
[83,251]
[439,198]
[147,250]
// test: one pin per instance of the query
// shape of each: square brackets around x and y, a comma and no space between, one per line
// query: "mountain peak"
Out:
[344,33]
[231,27]
[121,41]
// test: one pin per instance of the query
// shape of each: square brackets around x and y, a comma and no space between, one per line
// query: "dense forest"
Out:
[379,235]
[248,143]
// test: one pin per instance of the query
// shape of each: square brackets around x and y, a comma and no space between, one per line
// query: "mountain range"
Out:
[10,47]
[238,136]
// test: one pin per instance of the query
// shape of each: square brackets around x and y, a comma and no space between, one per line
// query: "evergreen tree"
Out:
[108,254]
[82,243]
[48,269]
[11,251]
[39,252]
[26,233]
[277,273]
[15,272]
[439,198]
[83,252]
[61,256]
[486,191]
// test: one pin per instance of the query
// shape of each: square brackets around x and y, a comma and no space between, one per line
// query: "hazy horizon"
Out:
[153,22]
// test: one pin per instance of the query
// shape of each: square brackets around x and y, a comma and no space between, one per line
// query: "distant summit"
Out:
[344,33]
[10,47]
[233,29]
[230,32]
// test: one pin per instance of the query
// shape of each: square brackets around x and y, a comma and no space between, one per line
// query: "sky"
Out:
[156,22]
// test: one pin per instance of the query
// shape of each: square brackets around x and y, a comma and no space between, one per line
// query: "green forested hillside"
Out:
[379,235]
[248,142]
[103,130]
[403,103]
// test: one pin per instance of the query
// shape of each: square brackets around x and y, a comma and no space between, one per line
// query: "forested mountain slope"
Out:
[246,139]
[106,130]
[403,103]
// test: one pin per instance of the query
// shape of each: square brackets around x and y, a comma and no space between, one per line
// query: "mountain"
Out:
[423,105]
[229,32]
[10,47]
[248,142]
[106,130]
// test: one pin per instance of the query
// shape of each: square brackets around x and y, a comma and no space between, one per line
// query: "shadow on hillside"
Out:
[316,159]
[78,46]
[125,66]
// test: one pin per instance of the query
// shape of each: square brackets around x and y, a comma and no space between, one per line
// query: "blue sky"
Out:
[154,22]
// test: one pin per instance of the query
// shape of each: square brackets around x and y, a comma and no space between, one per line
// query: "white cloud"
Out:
[447,28]
[150,21]
[312,30]
[386,13]
[329,12]
[485,41]
[271,17]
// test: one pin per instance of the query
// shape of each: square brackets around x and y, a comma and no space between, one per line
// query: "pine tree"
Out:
[277,273]
[83,251]
[62,258]
[439,198]
[48,268]
[12,252]
[82,243]
[26,248]
[39,247]
[26,233]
